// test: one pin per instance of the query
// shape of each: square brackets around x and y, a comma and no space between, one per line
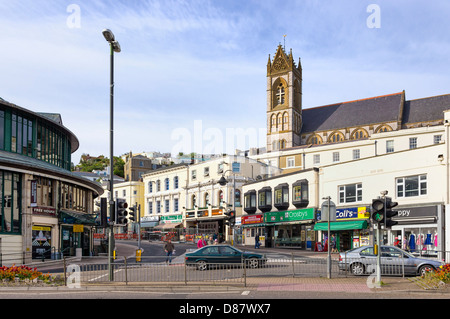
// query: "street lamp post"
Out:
[115,47]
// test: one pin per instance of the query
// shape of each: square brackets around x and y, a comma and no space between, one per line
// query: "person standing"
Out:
[201,242]
[169,249]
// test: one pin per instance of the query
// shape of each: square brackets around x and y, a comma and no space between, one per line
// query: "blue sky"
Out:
[199,60]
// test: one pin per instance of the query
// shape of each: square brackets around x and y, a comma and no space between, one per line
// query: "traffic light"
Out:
[389,213]
[382,211]
[378,210]
[132,213]
[230,220]
[103,212]
[121,211]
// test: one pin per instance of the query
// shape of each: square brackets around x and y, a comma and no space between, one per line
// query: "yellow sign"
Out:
[138,255]
[77,228]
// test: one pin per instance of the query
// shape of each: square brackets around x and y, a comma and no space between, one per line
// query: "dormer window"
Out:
[250,202]
[265,199]
[281,198]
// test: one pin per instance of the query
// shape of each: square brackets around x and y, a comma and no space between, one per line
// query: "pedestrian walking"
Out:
[169,248]
[201,242]
[257,241]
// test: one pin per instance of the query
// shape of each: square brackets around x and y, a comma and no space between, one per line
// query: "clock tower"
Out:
[284,101]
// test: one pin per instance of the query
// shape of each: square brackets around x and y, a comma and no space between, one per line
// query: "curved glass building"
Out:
[45,209]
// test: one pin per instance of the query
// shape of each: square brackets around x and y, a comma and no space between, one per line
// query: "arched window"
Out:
[315,140]
[280,94]
[336,137]
[285,121]
[193,201]
[359,134]
[273,123]
[383,128]
[220,197]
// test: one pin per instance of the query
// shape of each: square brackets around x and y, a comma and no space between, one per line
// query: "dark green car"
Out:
[223,254]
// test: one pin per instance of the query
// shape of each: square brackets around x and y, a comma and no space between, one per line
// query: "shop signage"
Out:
[33,201]
[352,213]
[171,219]
[145,219]
[289,215]
[46,211]
[416,212]
[78,228]
[252,219]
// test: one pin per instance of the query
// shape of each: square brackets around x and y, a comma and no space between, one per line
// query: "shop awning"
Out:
[75,218]
[347,225]
[168,226]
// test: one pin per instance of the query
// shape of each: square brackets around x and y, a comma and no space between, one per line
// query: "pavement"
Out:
[351,284]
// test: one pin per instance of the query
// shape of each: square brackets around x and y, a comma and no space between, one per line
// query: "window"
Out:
[280,94]
[290,162]
[150,187]
[265,199]
[390,146]
[220,168]
[124,193]
[10,207]
[158,207]
[250,202]
[150,208]
[206,199]
[316,159]
[206,171]
[158,185]
[175,204]
[336,137]
[411,186]
[412,143]
[193,201]
[436,138]
[166,184]
[281,198]
[356,154]
[166,205]
[336,157]
[194,175]
[300,193]
[350,193]
[175,182]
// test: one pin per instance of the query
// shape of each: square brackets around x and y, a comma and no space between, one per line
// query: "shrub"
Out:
[22,273]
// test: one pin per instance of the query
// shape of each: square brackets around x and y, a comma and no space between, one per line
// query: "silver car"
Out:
[394,261]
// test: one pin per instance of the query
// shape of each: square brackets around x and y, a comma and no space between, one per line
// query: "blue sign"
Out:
[236,167]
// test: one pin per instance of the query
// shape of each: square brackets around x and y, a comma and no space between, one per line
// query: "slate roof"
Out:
[380,109]
[425,110]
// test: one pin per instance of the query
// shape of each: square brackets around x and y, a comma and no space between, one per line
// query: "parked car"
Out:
[223,254]
[394,261]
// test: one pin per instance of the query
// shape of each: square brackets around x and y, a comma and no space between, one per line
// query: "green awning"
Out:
[347,225]
[68,217]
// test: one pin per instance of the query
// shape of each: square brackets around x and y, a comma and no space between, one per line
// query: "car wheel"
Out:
[202,265]
[424,269]
[357,269]
[253,263]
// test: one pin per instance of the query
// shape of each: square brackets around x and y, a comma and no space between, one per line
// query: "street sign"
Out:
[324,211]
[236,167]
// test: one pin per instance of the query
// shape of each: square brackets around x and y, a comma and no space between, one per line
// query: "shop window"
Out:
[300,193]
[281,199]
[10,214]
[265,199]
[250,202]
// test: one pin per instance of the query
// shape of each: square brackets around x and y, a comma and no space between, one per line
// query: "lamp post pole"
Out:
[114,47]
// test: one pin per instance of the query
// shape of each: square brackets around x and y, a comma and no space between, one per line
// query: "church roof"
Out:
[426,110]
[380,109]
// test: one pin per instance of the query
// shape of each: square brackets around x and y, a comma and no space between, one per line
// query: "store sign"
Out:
[252,219]
[33,201]
[45,211]
[416,212]
[78,228]
[171,219]
[352,213]
[145,219]
[290,215]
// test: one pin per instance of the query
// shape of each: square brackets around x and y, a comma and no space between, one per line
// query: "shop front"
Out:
[350,230]
[76,233]
[291,228]
[171,227]
[252,226]
[418,231]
